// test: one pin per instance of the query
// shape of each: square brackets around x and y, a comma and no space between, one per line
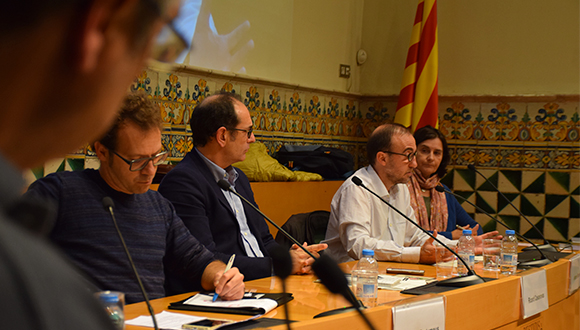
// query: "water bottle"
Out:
[365,278]
[466,251]
[113,308]
[509,253]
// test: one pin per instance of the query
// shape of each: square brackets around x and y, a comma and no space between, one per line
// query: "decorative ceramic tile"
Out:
[503,204]
[92,162]
[533,181]
[574,206]
[512,221]
[528,231]
[574,227]
[54,165]
[464,180]
[487,201]
[487,180]
[510,181]
[532,204]
[556,229]
[557,183]
[199,89]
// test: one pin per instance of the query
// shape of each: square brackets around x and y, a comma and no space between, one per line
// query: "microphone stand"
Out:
[546,246]
[532,263]
[324,267]
[462,281]
[108,204]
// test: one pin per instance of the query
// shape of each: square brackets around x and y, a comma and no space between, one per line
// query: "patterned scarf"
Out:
[439,213]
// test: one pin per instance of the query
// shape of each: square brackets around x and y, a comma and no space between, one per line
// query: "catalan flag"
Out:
[418,100]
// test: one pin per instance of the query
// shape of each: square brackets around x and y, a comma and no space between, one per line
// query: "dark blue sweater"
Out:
[457,216]
[154,234]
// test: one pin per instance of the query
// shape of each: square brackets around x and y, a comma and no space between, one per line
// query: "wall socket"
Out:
[344,71]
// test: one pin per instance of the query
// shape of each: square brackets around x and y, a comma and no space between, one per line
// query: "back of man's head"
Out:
[137,109]
[212,113]
[381,139]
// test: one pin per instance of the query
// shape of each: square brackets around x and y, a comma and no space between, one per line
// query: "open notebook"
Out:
[251,304]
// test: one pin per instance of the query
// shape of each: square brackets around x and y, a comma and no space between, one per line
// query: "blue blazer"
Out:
[202,206]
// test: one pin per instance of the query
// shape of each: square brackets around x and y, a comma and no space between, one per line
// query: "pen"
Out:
[228,266]
[459,227]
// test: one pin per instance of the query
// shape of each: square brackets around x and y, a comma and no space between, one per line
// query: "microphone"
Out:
[463,281]
[324,267]
[282,264]
[546,246]
[225,185]
[531,263]
[109,205]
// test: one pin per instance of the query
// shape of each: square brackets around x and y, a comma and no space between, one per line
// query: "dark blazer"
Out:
[202,206]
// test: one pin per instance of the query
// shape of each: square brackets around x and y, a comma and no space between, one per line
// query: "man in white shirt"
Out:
[359,220]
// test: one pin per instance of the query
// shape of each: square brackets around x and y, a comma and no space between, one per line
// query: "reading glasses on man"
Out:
[410,156]
[247,131]
[139,164]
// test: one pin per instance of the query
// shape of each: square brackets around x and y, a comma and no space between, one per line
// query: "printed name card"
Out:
[425,314]
[534,293]
[574,274]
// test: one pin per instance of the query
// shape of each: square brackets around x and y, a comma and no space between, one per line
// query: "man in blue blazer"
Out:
[222,132]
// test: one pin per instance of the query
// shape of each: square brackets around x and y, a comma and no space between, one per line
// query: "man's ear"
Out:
[91,34]
[101,151]
[381,158]
[221,136]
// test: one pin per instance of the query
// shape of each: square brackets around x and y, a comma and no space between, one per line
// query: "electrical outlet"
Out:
[344,71]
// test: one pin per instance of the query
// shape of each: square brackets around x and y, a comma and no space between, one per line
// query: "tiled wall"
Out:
[529,147]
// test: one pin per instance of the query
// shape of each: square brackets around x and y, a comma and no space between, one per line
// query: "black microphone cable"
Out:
[109,205]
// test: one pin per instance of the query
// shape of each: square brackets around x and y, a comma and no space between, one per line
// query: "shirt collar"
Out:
[218,173]
[377,184]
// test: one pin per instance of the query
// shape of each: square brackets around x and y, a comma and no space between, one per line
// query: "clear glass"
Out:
[491,254]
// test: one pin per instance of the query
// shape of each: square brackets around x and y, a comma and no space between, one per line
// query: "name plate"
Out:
[420,314]
[574,274]
[534,293]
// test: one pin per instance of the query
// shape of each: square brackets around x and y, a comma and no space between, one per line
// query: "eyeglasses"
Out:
[139,164]
[170,43]
[410,156]
[247,131]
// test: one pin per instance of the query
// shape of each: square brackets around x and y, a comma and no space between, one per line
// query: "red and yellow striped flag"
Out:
[418,100]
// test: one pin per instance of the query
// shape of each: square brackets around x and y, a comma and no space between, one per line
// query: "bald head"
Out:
[212,113]
[381,139]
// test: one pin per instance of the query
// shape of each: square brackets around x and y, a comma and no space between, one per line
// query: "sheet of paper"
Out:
[206,300]
[534,293]
[165,320]
[574,275]
[424,314]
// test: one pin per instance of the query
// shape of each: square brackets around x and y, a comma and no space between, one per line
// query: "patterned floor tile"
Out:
[556,229]
[557,183]
[557,206]
[533,181]
[510,181]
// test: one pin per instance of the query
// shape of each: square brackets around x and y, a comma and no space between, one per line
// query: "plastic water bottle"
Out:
[466,251]
[113,309]
[365,278]
[509,253]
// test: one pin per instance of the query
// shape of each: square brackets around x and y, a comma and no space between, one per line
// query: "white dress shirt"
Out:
[359,220]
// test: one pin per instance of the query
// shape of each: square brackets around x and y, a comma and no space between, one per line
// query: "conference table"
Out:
[491,305]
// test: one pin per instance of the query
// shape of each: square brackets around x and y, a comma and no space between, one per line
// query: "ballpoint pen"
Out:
[459,227]
[228,266]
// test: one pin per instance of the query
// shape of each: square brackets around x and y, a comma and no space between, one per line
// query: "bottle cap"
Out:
[510,232]
[368,252]
[467,232]
[109,298]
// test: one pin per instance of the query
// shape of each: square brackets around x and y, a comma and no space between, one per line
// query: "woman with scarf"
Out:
[436,210]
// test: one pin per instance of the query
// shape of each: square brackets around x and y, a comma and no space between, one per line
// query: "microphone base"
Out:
[534,263]
[461,282]
[543,247]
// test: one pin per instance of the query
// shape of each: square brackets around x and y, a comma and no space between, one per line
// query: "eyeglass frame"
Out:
[247,131]
[133,161]
[410,156]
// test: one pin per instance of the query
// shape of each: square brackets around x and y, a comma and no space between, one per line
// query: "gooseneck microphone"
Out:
[463,281]
[109,205]
[282,264]
[531,263]
[546,246]
[324,267]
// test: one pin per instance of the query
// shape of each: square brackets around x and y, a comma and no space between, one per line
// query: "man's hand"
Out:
[428,252]
[479,240]
[302,262]
[229,286]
